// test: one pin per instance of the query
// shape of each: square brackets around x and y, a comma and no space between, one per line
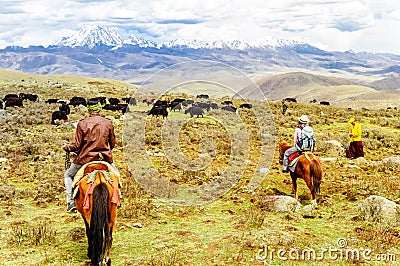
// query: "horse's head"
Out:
[282,146]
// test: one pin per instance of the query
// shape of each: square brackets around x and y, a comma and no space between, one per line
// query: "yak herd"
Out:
[192,107]
[64,106]
[158,107]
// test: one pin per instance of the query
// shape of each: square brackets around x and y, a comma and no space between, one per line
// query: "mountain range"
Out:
[101,51]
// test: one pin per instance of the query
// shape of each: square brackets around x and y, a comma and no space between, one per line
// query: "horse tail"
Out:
[99,222]
[316,173]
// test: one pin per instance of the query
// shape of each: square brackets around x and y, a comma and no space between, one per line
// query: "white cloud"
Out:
[332,24]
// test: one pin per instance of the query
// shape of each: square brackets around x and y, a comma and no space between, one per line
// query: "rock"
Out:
[379,209]
[7,191]
[390,162]
[137,225]
[264,170]
[3,114]
[307,209]
[332,148]
[360,161]
[280,204]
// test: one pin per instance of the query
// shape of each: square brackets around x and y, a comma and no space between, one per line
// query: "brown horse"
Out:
[97,200]
[309,168]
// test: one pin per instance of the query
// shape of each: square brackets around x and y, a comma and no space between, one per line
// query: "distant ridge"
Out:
[390,83]
[292,84]
[308,88]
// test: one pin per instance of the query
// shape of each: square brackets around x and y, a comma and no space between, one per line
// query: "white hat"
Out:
[304,119]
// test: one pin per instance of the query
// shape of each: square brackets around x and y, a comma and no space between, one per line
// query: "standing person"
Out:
[94,140]
[284,107]
[356,148]
[303,140]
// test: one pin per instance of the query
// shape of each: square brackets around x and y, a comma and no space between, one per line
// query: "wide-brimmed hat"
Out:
[304,119]
[351,120]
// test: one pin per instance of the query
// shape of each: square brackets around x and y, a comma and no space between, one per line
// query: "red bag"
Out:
[293,155]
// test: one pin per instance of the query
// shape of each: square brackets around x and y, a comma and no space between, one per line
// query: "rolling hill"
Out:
[306,87]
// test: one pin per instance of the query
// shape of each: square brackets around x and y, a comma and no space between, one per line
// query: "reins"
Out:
[67,163]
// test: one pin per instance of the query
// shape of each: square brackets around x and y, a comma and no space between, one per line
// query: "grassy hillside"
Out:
[306,87]
[230,230]
[66,85]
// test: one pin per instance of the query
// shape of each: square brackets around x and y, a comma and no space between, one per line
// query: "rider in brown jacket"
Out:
[94,140]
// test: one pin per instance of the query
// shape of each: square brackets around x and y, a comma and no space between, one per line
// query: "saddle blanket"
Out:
[92,167]
[294,159]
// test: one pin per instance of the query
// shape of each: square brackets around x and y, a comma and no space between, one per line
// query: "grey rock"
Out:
[280,204]
[379,209]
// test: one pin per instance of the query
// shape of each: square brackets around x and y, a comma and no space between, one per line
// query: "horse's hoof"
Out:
[314,204]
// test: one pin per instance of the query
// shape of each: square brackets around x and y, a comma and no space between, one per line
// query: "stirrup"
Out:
[71,207]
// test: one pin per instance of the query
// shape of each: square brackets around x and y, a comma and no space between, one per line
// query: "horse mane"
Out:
[283,145]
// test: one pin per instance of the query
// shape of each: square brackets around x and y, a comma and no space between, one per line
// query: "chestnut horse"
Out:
[97,200]
[309,168]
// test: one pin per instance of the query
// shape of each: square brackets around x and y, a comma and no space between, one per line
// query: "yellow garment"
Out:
[356,131]
[94,108]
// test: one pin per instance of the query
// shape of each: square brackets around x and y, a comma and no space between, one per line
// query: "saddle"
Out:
[89,170]
[294,157]
[95,165]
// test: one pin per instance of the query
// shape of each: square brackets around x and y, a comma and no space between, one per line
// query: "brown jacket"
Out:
[94,135]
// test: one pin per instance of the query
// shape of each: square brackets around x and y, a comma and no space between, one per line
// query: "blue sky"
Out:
[340,25]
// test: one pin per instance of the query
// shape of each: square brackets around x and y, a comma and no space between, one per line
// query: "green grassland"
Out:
[230,230]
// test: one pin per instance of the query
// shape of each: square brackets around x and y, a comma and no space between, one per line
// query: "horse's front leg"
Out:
[294,186]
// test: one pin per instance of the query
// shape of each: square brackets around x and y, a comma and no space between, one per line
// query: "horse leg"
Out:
[90,240]
[294,186]
[314,200]
[108,248]
[308,180]
[113,214]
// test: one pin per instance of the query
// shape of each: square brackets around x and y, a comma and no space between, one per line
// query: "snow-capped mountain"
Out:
[133,40]
[221,44]
[197,44]
[93,35]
